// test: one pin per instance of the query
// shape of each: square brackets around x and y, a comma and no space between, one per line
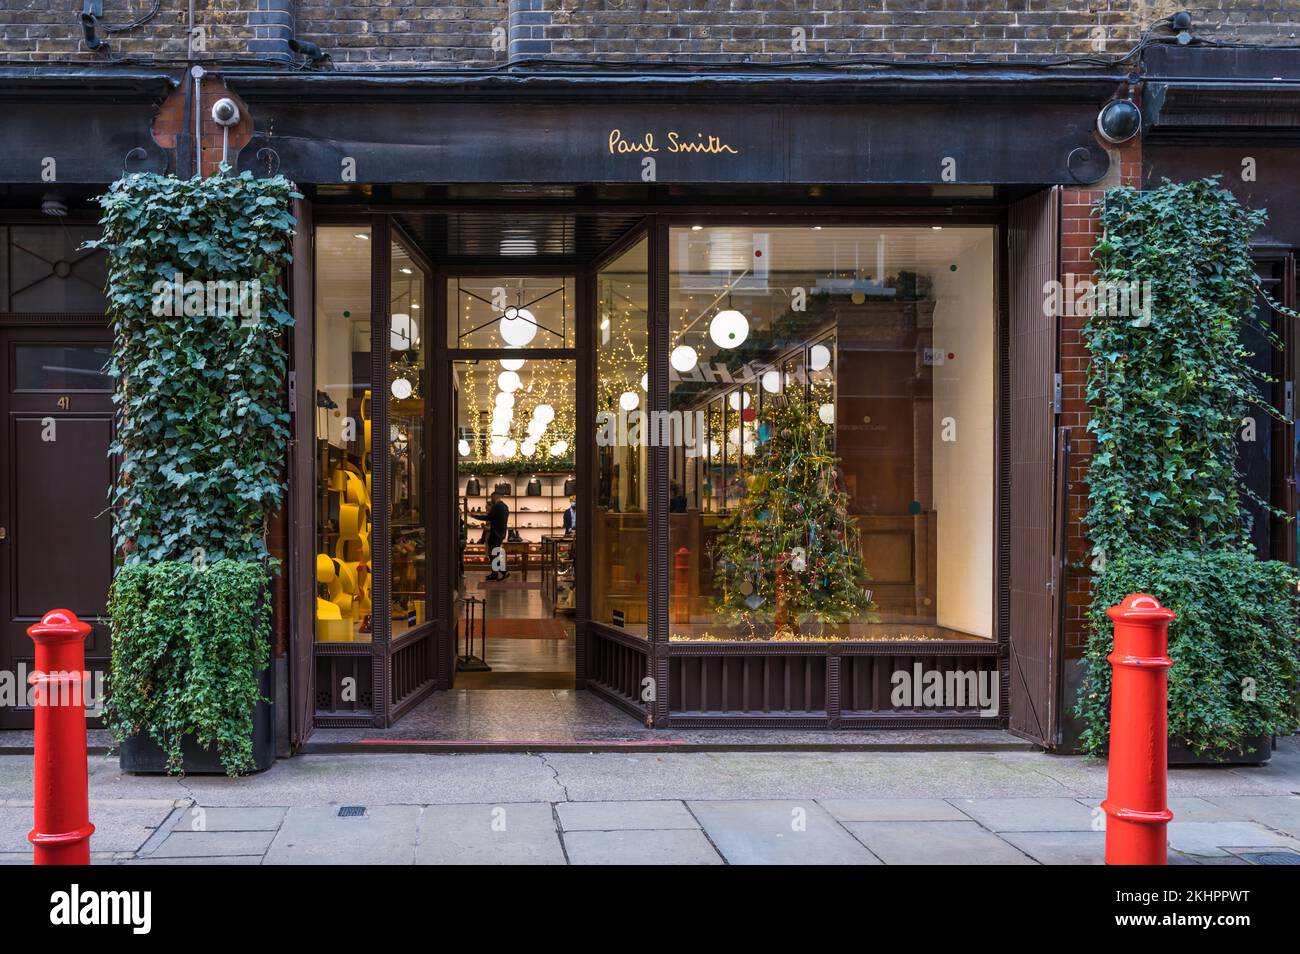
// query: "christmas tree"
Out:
[791,554]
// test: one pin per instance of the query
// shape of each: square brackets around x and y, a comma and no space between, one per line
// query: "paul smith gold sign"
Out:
[673,142]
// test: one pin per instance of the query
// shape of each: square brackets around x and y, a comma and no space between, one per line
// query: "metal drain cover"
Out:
[351,811]
[1272,858]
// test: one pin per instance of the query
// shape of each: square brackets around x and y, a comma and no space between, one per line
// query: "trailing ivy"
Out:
[197,311]
[198,314]
[1233,644]
[188,645]
[1168,388]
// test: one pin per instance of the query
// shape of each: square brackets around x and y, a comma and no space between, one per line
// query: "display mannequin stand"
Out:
[468,662]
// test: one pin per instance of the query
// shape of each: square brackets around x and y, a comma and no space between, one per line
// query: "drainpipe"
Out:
[198,72]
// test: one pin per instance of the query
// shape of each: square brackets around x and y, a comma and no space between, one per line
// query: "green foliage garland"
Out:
[189,643]
[1168,389]
[201,417]
[791,553]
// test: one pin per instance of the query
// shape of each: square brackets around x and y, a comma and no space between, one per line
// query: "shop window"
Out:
[620,550]
[407,418]
[838,483]
[494,312]
[343,435]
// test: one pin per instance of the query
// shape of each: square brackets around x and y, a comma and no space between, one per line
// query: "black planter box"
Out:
[141,755]
[1256,750]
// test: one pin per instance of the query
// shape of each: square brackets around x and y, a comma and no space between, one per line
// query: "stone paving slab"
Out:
[1280,812]
[316,835]
[216,818]
[200,860]
[778,833]
[517,834]
[935,843]
[212,844]
[624,816]
[1210,839]
[891,809]
[1060,847]
[1029,814]
[116,829]
[1190,808]
[660,847]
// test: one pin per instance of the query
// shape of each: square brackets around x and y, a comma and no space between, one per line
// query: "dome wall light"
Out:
[1119,121]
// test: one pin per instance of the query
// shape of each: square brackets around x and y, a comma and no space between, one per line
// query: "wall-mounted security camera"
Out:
[1119,121]
[225,112]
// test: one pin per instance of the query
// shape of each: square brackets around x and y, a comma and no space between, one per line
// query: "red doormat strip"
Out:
[518,629]
[624,743]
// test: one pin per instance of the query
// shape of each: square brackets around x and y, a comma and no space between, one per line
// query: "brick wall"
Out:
[1080,229]
[376,34]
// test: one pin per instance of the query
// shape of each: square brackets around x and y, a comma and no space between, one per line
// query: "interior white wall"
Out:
[964,390]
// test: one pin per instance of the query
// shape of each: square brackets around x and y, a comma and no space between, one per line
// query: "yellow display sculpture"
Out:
[345,574]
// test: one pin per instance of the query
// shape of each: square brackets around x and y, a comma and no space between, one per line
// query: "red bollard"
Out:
[1136,807]
[61,835]
[682,586]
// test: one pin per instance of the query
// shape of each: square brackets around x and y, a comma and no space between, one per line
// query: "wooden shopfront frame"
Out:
[648,677]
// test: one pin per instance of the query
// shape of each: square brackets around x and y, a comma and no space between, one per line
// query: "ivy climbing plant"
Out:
[197,311]
[198,316]
[1170,390]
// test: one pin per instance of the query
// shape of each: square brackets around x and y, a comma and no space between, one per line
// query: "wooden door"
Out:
[1033,255]
[56,549]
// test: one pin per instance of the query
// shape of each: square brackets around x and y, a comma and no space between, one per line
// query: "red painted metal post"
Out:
[1136,805]
[62,831]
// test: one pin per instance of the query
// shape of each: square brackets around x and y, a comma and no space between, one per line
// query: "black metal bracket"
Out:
[91,11]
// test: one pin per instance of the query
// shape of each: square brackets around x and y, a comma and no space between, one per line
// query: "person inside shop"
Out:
[676,502]
[571,517]
[497,519]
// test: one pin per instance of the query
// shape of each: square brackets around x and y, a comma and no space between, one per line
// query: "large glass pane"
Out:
[61,367]
[620,558]
[407,394]
[844,378]
[499,312]
[343,438]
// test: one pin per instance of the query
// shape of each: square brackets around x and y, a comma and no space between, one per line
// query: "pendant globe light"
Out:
[729,328]
[683,358]
[819,357]
[518,327]
[512,364]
